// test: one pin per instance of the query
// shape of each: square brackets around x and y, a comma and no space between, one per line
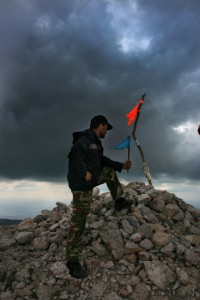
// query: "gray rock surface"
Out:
[151,251]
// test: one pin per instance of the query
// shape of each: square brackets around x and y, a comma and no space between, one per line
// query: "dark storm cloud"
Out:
[62,63]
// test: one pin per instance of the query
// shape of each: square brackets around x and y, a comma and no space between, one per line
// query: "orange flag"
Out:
[133,113]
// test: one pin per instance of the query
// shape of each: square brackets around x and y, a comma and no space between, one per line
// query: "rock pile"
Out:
[150,252]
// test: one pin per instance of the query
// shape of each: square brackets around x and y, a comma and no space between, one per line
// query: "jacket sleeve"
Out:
[117,166]
[79,159]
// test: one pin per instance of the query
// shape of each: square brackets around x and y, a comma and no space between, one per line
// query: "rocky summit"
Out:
[151,251]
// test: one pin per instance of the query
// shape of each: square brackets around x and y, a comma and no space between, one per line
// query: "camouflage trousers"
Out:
[81,208]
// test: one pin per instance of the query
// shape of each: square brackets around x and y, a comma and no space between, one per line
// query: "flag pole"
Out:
[144,164]
[128,153]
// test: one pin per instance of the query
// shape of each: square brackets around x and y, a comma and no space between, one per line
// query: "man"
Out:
[87,168]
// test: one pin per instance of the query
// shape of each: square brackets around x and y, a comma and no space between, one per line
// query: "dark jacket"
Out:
[87,155]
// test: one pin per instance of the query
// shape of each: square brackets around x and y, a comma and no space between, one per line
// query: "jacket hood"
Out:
[78,134]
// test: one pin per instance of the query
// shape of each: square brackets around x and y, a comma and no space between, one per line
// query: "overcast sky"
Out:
[62,62]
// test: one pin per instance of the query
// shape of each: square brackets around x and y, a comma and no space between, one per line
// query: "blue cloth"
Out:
[124,144]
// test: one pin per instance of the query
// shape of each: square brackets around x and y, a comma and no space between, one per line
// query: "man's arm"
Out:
[117,166]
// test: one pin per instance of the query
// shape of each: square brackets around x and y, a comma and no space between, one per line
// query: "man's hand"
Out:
[88,176]
[127,165]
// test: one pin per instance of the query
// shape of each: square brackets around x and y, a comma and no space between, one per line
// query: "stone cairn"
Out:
[150,252]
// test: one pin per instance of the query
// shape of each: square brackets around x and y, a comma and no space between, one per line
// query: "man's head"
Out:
[100,125]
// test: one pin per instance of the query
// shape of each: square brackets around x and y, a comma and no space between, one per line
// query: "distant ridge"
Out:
[8,222]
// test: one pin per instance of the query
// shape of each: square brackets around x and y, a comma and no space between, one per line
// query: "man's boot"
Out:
[76,270]
[121,203]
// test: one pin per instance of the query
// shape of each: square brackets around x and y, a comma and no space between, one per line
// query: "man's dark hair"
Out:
[97,120]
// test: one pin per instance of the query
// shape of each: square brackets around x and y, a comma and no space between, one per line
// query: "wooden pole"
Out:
[144,164]
[128,153]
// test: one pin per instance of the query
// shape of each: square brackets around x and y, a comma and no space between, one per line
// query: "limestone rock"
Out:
[128,228]
[171,210]
[41,243]
[62,206]
[161,238]
[141,292]
[131,247]
[144,199]
[99,249]
[96,206]
[161,275]
[146,244]
[27,224]
[192,257]
[113,239]
[158,204]
[182,276]
[137,237]
[59,269]
[98,290]
[44,292]
[168,249]
[24,237]
[193,239]
[146,230]
[6,243]
[149,215]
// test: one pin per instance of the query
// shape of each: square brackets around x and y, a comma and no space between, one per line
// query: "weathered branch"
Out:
[144,164]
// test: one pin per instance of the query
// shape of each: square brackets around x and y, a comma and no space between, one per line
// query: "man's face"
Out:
[102,130]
